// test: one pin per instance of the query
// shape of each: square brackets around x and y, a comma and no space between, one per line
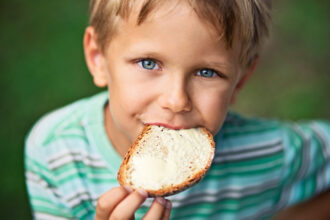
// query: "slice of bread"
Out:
[163,161]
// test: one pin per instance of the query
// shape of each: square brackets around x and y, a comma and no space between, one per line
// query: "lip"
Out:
[167,125]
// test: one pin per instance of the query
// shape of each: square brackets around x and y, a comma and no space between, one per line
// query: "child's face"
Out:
[171,70]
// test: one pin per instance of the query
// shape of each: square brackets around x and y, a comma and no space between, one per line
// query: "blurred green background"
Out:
[43,68]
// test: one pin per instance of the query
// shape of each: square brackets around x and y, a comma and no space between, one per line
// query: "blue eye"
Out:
[207,73]
[148,64]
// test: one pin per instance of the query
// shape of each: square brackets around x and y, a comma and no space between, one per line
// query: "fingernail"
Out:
[161,201]
[168,204]
[128,189]
[142,193]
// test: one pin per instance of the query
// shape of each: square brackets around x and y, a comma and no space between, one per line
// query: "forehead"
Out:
[142,10]
[174,17]
[175,35]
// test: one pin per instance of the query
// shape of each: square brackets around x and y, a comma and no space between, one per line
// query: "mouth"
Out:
[167,125]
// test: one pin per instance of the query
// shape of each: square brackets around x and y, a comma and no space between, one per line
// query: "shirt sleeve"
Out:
[306,170]
[44,197]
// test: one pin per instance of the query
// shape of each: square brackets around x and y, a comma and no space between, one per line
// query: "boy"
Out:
[179,64]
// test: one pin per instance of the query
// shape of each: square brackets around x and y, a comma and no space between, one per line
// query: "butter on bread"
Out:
[163,161]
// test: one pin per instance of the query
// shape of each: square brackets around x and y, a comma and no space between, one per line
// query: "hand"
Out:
[121,203]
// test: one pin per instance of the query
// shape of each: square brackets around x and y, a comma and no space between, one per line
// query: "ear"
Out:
[94,58]
[244,78]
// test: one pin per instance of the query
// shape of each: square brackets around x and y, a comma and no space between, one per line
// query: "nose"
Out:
[175,97]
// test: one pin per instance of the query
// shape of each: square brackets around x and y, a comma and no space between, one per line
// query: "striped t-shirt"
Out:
[260,166]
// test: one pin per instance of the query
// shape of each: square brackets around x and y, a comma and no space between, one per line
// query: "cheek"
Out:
[213,108]
[126,99]
[131,93]
[125,87]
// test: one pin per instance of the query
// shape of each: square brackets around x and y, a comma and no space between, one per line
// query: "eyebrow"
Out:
[148,54]
[224,66]
[216,64]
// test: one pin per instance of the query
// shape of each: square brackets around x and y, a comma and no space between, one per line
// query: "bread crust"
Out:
[170,190]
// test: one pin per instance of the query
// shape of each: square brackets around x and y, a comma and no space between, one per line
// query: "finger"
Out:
[127,208]
[156,210]
[167,212]
[108,201]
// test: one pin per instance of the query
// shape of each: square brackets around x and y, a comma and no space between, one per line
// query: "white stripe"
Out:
[325,147]
[78,199]
[320,180]
[94,203]
[250,154]
[64,152]
[71,158]
[287,190]
[77,192]
[305,148]
[45,216]
[66,174]
[75,198]
[320,135]
[235,149]
[34,178]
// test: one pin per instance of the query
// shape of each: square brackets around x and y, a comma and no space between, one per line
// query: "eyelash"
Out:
[140,62]
[215,73]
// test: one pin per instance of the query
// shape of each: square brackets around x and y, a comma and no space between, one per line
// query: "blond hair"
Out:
[246,20]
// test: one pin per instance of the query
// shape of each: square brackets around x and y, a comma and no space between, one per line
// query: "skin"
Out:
[159,72]
[171,70]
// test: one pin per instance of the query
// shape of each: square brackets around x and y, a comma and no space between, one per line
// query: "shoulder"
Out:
[307,131]
[64,123]
[59,159]
[240,131]
[56,123]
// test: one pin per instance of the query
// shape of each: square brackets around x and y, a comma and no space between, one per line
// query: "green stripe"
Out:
[89,215]
[225,170]
[251,161]
[319,157]
[42,199]
[233,173]
[31,163]
[68,136]
[309,187]
[51,211]
[83,176]
[49,207]
[255,131]
[84,205]
[250,122]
